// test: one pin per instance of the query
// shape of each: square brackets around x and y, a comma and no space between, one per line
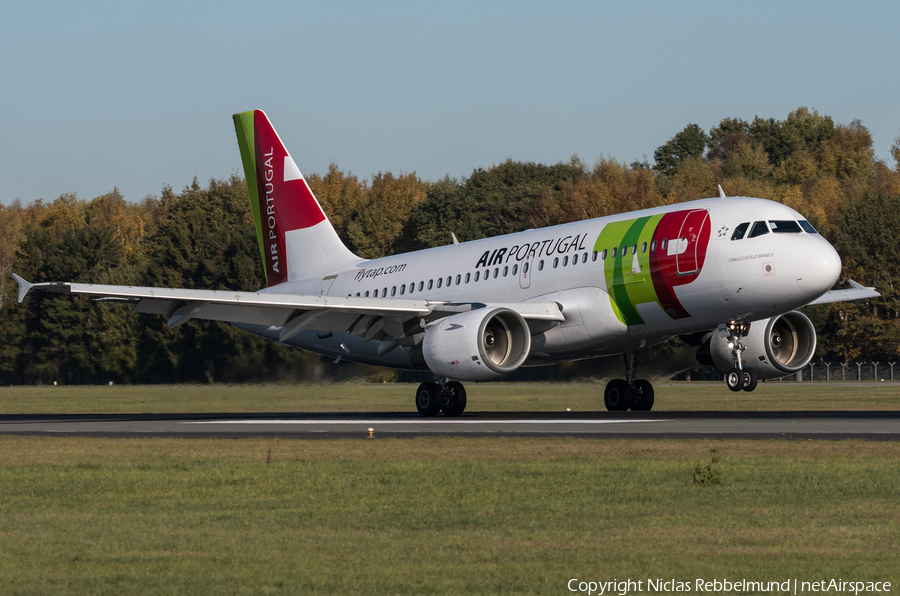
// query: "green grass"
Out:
[368,397]
[435,515]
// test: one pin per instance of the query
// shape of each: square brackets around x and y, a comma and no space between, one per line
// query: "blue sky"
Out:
[111,94]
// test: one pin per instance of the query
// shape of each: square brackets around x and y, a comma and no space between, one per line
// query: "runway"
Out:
[881,426]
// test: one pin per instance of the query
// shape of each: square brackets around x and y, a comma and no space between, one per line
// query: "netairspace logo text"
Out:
[724,586]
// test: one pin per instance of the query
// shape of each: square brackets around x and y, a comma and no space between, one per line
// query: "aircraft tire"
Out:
[454,402]
[617,396]
[750,379]
[734,378]
[644,389]
[428,399]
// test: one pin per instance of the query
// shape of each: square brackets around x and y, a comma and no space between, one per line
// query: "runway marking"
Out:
[422,421]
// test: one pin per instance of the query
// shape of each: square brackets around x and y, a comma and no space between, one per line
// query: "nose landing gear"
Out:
[738,378]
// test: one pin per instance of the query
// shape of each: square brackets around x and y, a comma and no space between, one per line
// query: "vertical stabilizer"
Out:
[296,240]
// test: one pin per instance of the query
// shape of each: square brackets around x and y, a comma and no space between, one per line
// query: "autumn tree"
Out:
[690,142]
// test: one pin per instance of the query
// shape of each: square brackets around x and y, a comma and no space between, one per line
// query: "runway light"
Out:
[371,433]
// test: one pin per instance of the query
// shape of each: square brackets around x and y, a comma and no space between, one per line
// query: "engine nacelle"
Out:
[478,345]
[774,347]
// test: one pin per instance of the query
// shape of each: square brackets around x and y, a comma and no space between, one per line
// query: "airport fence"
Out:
[818,371]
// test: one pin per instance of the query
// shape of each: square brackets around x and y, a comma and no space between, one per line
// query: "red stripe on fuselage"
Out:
[664,266]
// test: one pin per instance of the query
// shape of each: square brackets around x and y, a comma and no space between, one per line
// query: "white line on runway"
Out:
[421,421]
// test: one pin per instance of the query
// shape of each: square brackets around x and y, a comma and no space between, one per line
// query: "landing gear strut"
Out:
[738,378]
[448,397]
[622,394]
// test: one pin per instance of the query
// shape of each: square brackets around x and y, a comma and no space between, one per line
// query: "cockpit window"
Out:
[740,231]
[788,226]
[759,228]
[807,227]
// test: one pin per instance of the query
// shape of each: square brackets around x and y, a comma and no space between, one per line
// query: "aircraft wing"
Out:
[372,318]
[856,293]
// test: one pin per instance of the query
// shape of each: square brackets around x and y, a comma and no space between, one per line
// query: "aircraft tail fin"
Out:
[296,240]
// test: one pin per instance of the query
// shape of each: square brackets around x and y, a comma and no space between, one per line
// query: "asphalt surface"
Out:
[883,426]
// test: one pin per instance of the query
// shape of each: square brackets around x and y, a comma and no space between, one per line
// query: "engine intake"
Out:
[478,345]
[774,347]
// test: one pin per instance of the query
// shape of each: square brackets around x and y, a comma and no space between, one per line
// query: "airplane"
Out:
[728,273]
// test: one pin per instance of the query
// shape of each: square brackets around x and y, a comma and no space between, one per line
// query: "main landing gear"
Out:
[738,378]
[448,397]
[622,394]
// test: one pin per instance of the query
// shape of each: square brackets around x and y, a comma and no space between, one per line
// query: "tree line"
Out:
[203,237]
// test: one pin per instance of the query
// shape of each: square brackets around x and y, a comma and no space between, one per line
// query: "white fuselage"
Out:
[700,277]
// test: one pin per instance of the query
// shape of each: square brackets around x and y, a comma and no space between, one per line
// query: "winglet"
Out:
[452,235]
[722,193]
[24,286]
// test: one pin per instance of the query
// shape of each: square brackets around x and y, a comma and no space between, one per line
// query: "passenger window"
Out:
[357,294]
[665,242]
[740,231]
[458,279]
[565,261]
[584,258]
[505,270]
[807,226]
[496,272]
[615,248]
[384,293]
[430,284]
[394,291]
[440,281]
[595,255]
[541,265]
[634,249]
[421,285]
[653,246]
[449,280]
[515,269]
[759,228]
[785,227]
[555,262]
[524,268]
[402,289]
[603,256]
[468,277]
[375,294]
[643,247]
[477,275]
[367,293]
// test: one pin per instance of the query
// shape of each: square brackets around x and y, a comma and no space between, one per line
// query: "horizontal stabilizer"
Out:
[856,293]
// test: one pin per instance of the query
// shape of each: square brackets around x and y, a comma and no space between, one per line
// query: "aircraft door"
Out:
[526,270]
[686,260]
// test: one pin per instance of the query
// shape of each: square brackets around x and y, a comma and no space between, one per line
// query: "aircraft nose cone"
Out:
[816,266]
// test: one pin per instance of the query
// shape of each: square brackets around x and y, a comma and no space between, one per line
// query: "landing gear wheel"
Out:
[617,396]
[750,379]
[428,399]
[734,378]
[643,396]
[454,402]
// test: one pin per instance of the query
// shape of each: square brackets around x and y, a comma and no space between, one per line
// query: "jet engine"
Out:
[773,347]
[478,345]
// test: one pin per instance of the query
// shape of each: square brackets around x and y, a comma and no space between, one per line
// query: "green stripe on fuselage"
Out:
[626,284]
